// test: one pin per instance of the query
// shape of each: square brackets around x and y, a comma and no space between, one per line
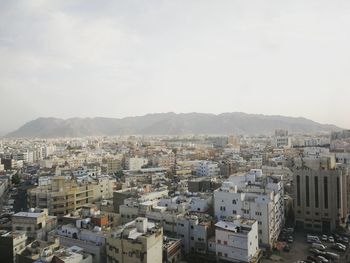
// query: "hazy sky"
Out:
[123,58]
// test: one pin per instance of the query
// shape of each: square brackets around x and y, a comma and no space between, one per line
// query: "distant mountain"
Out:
[168,124]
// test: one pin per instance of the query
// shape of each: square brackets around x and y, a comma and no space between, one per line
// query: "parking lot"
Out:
[299,251]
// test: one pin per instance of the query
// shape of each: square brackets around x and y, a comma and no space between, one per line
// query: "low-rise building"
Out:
[137,241]
[236,240]
[36,223]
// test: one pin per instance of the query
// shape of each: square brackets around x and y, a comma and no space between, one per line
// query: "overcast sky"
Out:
[124,58]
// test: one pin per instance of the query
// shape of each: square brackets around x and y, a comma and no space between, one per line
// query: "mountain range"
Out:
[168,124]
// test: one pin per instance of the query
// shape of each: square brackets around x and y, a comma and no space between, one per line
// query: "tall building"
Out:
[253,196]
[320,201]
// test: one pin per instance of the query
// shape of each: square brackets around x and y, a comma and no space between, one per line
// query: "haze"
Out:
[123,58]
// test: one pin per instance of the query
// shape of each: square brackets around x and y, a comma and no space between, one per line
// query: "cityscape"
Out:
[174,131]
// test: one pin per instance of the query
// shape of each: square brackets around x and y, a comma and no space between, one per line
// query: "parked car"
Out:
[338,248]
[319,246]
[331,255]
[286,248]
[324,238]
[322,259]
[314,251]
[331,239]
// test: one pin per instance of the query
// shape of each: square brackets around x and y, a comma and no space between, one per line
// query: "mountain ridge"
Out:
[169,123]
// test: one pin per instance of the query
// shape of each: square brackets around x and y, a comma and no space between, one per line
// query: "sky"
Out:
[85,58]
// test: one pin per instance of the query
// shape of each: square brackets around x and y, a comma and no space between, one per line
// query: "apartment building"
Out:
[253,196]
[139,241]
[10,244]
[236,240]
[206,168]
[62,196]
[36,223]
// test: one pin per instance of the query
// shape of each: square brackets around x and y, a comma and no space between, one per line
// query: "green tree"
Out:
[16,179]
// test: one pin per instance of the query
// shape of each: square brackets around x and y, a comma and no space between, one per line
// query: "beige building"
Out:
[10,244]
[36,223]
[320,199]
[114,164]
[139,241]
[62,196]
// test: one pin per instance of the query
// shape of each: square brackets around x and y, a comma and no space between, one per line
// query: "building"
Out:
[36,223]
[236,240]
[206,168]
[137,241]
[62,196]
[38,250]
[135,163]
[171,250]
[114,164]
[282,139]
[320,201]
[253,196]
[10,244]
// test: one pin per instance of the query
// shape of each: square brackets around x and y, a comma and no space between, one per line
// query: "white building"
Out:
[135,163]
[236,240]
[206,168]
[253,196]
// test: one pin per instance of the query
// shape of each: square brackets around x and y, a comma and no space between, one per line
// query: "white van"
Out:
[319,246]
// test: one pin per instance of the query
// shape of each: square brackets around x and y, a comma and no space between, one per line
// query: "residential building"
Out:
[36,223]
[237,240]
[253,196]
[138,241]
[10,244]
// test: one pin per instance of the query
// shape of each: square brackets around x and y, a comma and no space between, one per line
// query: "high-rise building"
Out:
[320,201]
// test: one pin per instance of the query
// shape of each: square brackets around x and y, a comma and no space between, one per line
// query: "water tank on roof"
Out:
[97,229]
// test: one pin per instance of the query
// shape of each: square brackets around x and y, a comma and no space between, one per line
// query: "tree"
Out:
[16,179]
[119,173]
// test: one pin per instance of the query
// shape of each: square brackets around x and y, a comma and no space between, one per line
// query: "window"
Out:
[234,212]
[225,242]
[325,189]
[233,202]
[307,191]
[316,191]
[298,191]
[338,192]
[219,241]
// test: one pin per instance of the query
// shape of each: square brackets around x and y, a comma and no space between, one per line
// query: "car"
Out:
[314,251]
[339,248]
[286,248]
[290,230]
[341,245]
[345,240]
[290,239]
[324,238]
[331,239]
[331,255]
[318,246]
[311,258]
[322,259]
